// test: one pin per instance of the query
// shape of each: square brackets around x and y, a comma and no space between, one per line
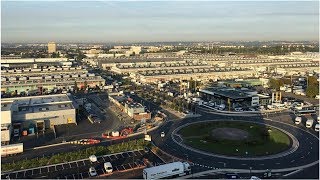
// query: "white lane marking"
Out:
[261,164]
[292,160]
[123,167]
[243,164]
[40,170]
[308,152]
[77,164]
[302,157]
[278,163]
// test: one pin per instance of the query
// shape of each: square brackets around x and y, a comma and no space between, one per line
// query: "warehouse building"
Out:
[37,113]
[6,127]
[16,81]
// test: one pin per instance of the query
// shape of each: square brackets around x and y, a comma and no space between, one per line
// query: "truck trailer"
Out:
[175,169]
[11,149]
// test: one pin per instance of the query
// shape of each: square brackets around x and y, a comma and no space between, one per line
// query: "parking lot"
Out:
[121,162]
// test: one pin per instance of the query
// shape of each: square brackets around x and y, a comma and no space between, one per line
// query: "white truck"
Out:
[309,123]
[11,149]
[167,170]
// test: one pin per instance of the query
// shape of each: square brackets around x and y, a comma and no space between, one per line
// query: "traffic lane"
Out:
[172,148]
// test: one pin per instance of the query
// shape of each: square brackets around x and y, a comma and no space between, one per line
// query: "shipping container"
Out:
[11,149]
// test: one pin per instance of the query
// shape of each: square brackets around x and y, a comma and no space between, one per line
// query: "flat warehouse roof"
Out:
[226,92]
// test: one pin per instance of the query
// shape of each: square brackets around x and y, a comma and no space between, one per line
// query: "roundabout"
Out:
[236,138]
[301,153]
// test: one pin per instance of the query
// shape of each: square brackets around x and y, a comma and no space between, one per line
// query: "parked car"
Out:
[316,128]
[108,167]
[92,171]
[162,134]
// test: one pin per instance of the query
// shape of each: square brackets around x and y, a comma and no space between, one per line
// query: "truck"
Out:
[309,123]
[167,170]
[11,149]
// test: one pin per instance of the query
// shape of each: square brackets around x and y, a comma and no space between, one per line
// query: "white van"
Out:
[108,167]
[317,128]
[298,120]
[309,123]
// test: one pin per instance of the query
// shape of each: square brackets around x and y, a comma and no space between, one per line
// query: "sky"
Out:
[143,21]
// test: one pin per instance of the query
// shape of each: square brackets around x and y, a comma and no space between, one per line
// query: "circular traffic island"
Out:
[235,138]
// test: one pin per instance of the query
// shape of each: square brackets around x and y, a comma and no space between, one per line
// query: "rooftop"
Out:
[227,92]
[33,104]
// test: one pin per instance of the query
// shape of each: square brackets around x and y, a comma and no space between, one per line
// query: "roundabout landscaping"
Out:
[235,138]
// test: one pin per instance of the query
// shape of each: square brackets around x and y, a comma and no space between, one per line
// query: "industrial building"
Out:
[134,110]
[35,113]
[46,79]
[230,97]
[6,127]
[10,63]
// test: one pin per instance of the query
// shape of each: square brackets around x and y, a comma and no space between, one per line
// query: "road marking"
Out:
[130,166]
[62,166]
[32,172]
[140,153]
[243,164]
[81,175]
[136,164]
[40,170]
[123,167]
[308,152]
[277,163]
[83,162]
[302,157]
[116,168]
[24,174]
[122,155]
[103,159]
[16,175]
[261,164]
[77,164]
[292,160]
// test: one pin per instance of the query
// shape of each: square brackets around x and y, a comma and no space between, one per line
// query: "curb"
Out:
[294,146]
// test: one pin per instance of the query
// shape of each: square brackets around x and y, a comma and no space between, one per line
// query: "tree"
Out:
[312,91]
[275,84]
[76,89]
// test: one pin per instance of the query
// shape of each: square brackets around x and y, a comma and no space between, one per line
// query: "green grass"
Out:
[260,141]
[75,155]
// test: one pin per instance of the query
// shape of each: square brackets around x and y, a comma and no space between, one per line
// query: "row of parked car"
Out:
[309,122]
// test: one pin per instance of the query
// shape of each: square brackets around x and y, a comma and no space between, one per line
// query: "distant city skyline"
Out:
[105,21]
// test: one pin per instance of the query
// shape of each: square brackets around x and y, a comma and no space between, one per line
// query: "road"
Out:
[306,153]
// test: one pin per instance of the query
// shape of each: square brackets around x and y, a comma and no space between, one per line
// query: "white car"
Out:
[309,123]
[316,128]
[298,120]
[92,171]
[93,158]
[162,134]
[108,167]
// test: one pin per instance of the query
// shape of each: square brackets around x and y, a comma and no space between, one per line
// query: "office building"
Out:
[52,47]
